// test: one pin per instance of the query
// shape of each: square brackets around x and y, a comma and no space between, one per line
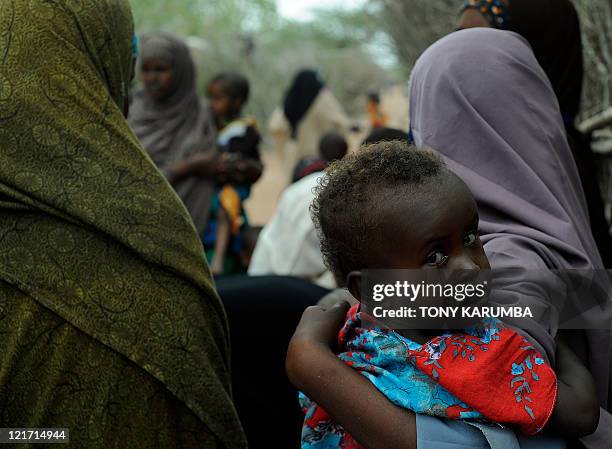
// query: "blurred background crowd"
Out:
[358,47]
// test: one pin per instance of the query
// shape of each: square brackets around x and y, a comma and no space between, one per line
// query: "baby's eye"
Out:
[436,259]
[470,238]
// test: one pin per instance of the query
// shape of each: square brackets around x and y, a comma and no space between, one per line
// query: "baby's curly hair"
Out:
[348,205]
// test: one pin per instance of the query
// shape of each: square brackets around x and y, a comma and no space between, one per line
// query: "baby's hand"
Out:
[336,296]
[314,340]
[576,412]
[320,327]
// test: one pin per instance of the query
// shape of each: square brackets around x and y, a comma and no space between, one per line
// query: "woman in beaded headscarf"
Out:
[110,323]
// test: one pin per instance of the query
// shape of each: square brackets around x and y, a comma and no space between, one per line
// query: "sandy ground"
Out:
[266,192]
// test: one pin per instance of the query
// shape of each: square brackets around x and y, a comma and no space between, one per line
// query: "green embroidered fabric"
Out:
[109,321]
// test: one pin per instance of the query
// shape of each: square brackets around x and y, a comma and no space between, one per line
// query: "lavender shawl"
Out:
[480,98]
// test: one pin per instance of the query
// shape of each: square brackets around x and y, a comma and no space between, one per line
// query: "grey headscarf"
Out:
[480,98]
[178,126]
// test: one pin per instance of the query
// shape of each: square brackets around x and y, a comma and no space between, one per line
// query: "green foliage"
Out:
[413,25]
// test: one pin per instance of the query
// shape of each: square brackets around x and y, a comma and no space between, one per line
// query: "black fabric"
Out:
[552,28]
[300,96]
[580,145]
[246,145]
[385,135]
[263,313]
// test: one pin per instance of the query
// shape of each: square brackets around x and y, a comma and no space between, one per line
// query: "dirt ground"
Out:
[266,192]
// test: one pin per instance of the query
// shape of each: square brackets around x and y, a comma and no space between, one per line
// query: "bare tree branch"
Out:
[415,24]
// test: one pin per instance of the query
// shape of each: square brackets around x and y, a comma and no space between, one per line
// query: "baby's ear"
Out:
[353,283]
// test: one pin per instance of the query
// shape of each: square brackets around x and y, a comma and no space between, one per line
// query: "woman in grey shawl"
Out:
[173,124]
[480,98]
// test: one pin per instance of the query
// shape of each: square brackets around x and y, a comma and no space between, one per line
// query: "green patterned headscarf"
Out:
[88,227]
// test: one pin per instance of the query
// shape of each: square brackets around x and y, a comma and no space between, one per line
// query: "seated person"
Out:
[288,244]
[413,213]
[238,145]
[332,147]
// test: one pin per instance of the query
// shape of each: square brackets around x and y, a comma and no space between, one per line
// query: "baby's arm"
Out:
[349,398]
[576,412]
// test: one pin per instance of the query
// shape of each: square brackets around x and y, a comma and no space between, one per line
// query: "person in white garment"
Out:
[288,245]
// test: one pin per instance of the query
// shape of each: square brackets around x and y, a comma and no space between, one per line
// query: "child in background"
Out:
[408,211]
[332,147]
[238,144]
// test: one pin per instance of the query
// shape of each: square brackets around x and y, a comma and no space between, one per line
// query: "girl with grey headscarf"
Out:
[173,124]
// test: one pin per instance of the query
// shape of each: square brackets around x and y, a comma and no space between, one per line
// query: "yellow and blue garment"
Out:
[239,138]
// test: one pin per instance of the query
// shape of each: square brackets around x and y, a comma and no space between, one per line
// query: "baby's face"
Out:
[435,226]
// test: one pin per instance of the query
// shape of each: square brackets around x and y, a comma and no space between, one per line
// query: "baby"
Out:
[391,206]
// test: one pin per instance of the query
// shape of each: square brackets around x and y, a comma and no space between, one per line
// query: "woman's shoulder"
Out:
[507,251]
